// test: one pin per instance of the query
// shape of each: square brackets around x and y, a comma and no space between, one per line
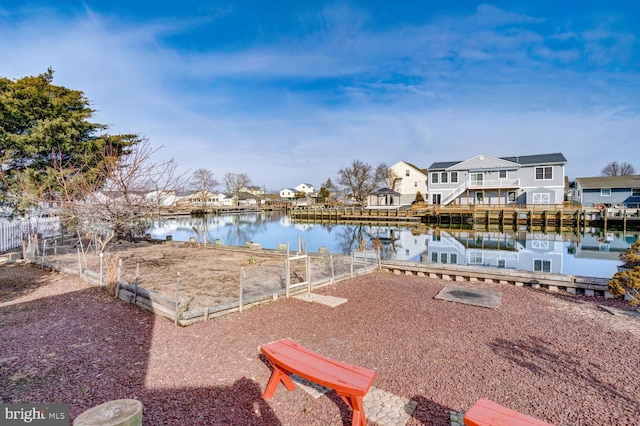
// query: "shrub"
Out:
[627,281]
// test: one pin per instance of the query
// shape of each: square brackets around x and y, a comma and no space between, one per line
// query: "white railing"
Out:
[453,195]
[13,232]
[496,183]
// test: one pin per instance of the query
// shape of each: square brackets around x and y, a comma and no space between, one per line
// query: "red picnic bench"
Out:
[350,382]
[489,413]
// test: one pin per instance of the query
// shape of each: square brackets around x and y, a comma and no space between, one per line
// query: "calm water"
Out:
[593,254]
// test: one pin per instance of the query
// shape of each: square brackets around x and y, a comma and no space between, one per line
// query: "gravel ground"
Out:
[558,358]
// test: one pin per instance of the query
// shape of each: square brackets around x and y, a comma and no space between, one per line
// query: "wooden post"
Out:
[177,297]
[242,275]
[287,276]
[44,250]
[79,263]
[101,255]
[118,278]
[308,277]
[332,270]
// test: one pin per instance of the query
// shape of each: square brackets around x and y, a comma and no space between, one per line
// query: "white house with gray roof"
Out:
[488,180]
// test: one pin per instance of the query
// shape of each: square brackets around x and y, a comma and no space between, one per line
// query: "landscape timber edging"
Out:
[553,282]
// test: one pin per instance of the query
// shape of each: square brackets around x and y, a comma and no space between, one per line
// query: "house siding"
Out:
[408,186]
[619,196]
[497,181]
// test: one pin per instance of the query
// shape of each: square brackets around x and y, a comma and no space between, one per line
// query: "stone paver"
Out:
[386,409]
[470,296]
[381,407]
[319,298]
[457,419]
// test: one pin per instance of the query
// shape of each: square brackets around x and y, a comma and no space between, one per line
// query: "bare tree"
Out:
[130,189]
[361,179]
[392,179]
[234,182]
[204,183]
[615,169]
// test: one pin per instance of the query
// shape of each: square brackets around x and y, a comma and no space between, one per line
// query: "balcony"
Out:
[495,183]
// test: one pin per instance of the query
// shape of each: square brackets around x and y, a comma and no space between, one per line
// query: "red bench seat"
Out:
[350,382]
[489,413]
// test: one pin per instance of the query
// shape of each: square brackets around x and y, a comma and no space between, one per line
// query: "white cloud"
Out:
[300,109]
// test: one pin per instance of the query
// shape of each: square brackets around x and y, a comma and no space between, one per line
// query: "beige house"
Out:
[407,180]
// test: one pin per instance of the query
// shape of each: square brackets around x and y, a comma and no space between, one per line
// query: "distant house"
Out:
[487,180]
[621,191]
[248,199]
[407,180]
[223,199]
[307,188]
[255,190]
[200,198]
[287,194]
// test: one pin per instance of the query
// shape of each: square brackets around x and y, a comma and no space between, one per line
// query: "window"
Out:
[544,173]
[511,196]
[444,177]
[540,265]
[434,257]
[434,178]
[635,192]
[502,263]
[443,258]
[502,174]
[605,192]
[476,179]
[475,258]
[453,258]
[406,173]
[454,177]
[479,197]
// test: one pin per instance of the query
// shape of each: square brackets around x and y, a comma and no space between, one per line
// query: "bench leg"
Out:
[356,404]
[278,375]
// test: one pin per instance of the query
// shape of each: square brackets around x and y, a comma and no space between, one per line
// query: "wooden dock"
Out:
[357,214]
[545,218]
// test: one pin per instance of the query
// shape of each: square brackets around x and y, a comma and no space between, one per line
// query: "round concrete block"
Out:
[120,412]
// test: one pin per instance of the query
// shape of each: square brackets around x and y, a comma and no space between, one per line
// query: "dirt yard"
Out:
[204,276]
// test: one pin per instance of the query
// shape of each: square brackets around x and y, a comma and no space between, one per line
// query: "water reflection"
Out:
[593,254]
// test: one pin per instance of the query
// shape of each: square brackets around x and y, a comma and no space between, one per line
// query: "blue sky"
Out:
[290,91]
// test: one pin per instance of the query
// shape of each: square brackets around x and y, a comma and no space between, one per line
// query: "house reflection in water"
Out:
[518,251]
[602,246]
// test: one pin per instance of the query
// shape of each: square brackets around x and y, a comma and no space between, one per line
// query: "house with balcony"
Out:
[498,181]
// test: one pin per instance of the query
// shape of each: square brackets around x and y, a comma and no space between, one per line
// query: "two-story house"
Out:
[287,194]
[407,180]
[487,180]
[305,188]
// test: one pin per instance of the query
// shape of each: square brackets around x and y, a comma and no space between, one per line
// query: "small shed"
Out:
[383,197]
